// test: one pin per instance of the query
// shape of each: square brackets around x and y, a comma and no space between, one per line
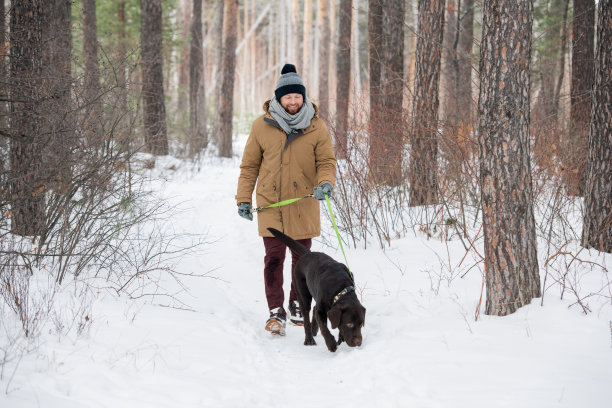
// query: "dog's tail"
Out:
[291,243]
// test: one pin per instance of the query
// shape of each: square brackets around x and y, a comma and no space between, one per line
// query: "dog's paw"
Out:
[332,346]
[310,342]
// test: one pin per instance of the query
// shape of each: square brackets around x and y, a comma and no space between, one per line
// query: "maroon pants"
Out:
[273,270]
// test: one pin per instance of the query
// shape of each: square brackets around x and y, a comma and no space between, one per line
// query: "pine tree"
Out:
[344,77]
[154,109]
[583,69]
[197,123]
[597,228]
[511,261]
[27,189]
[226,101]
[424,138]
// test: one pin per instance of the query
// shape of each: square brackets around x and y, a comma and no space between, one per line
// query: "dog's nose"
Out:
[356,342]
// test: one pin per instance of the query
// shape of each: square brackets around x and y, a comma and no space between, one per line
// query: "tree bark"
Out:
[93,106]
[219,30]
[197,124]
[56,84]
[226,102]
[424,138]
[575,148]
[184,64]
[306,44]
[27,190]
[392,85]
[458,39]
[512,275]
[597,228]
[324,44]
[375,45]
[123,135]
[344,77]
[295,32]
[154,109]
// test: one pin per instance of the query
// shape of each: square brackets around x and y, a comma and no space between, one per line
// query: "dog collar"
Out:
[343,292]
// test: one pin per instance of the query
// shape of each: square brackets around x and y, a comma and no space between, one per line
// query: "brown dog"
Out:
[330,283]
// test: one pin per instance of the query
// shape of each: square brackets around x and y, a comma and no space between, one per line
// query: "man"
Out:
[289,154]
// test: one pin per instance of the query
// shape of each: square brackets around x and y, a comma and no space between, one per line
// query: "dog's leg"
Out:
[315,324]
[305,301]
[330,341]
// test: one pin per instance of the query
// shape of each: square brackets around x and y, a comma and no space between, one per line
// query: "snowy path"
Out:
[420,349]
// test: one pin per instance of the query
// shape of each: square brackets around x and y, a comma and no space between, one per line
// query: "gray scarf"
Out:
[289,122]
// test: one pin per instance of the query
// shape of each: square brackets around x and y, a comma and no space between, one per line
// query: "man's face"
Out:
[292,102]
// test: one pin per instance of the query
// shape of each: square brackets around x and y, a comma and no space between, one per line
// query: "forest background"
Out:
[487,123]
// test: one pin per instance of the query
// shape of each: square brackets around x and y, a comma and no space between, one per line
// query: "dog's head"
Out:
[348,318]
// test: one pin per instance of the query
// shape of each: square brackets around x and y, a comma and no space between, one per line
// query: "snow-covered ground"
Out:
[422,346]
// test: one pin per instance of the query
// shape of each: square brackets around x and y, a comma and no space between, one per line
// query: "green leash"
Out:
[331,215]
[281,203]
[333,220]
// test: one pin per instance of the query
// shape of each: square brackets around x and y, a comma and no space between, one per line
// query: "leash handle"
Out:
[333,220]
[281,203]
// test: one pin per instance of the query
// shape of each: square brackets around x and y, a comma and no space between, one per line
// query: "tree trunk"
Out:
[597,229]
[458,39]
[226,102]
[295,33]
[197,124]
[545,117]
[323,71]
[344,77]
[392,85]
[27,190]
[123,137]
[184,64]
[375,45]
[56,83]
[575,148]
[356,64]
[424,138]
[93,106]
[511,262]
[219,29]
[307,44]
[154,109]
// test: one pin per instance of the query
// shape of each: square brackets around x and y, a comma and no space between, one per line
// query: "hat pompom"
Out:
[288,68]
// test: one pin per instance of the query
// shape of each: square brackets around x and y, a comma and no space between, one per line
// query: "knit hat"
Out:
[289,82]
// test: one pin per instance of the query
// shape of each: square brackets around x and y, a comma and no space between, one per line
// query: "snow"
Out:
[422,346]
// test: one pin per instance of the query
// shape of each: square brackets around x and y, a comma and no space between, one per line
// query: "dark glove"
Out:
[322,190]
[244,210]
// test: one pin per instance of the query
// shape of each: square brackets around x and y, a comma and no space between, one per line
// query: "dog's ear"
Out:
[334,316]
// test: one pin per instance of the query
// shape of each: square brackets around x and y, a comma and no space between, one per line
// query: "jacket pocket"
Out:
[266,190]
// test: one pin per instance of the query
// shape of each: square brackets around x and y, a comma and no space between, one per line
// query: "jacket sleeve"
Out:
[325,158]
[249,169]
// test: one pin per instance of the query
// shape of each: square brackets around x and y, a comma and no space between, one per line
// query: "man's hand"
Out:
[322,190]
[244,210]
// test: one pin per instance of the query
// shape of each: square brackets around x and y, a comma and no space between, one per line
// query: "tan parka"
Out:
[285,169]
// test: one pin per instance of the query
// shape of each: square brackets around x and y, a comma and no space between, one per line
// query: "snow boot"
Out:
[276,322]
